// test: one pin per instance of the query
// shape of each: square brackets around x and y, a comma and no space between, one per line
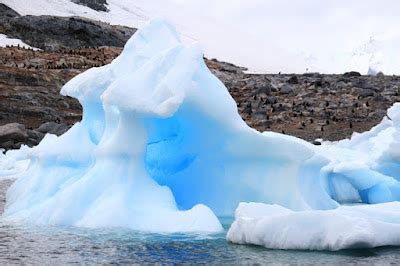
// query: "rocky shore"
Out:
[309,106]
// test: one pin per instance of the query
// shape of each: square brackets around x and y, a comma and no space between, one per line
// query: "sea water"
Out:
[59,245]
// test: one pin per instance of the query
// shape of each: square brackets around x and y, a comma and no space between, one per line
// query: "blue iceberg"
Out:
[162,148]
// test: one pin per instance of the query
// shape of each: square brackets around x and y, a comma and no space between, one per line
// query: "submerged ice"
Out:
[162,148]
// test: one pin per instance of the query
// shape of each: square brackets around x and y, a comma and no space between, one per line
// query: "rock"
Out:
[379,98]
[317,143]
[98,5]
[366,92]
[286,89]
[32,142]
[8,145]
[317,82]
[352,74]
[18,145]
[266,123]
[264,90]
[13,132]
[35,135]
[378,114]
[5,11]
[53,128]
[271,100]
[390,92]
[312,75]
[293,80]
[54,33]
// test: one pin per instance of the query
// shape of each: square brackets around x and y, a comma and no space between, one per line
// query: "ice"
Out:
[362,170]
[275,227]
[14,163]
[162,148]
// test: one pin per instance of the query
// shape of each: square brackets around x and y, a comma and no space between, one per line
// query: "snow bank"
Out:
[275,227]
[265,36]
[162,148]
[4,41]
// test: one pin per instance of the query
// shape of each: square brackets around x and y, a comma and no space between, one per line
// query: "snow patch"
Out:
[5,41]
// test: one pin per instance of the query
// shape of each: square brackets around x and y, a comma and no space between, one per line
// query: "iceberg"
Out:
[275,227]
[162,148]
[15,162]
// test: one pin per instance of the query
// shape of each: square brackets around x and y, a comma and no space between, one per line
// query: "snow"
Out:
[5,41]
[264,35]
[275,227]
[162,148]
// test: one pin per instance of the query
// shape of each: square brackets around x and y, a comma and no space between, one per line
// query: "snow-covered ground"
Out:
[265,35]
[4,41]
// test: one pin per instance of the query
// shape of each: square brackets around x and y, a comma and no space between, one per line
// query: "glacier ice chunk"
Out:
[275,227]
[162,148]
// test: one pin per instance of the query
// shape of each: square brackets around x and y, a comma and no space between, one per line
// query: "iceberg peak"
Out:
[162,148]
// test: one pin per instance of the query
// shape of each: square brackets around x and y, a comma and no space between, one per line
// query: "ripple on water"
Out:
[24,244]
[34,244]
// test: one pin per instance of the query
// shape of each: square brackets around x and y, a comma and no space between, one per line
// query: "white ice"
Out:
[275,227]
[162,148]
[14,163]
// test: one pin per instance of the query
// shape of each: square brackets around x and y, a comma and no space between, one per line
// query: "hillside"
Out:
[308,106]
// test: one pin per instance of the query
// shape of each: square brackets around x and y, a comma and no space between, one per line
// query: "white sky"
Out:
[266,35]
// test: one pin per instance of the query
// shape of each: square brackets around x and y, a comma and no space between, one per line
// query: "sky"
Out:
[266,35]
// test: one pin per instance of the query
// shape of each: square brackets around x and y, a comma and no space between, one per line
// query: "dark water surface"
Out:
[26,244]
[60,245]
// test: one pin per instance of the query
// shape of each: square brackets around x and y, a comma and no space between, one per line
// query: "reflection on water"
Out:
[55,245]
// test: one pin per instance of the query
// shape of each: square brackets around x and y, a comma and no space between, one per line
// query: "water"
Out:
[22,244]
[28,244]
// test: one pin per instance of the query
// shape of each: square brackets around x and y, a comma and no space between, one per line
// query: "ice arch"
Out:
[162,148]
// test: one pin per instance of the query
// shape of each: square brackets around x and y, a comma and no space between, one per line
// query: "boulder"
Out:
[98,5]
[367,92]
[271,100]
[293,80]
[286,89]
[352,74]
[53,128]
[8,145]
[35,135]
[264,90]
[13,132]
